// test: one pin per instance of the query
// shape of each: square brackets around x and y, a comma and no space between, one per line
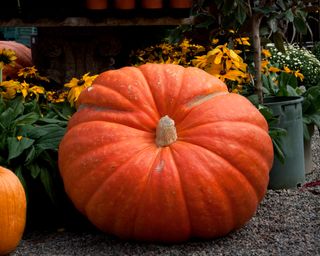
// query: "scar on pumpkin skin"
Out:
[203,98]
[160,166]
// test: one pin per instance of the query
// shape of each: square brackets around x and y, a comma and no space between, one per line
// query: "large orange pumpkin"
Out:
[165,153]
[24,58]
[12,211]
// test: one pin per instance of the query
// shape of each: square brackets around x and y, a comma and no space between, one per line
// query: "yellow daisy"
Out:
[7,57]
[10,89]
[27,72]
[77,86]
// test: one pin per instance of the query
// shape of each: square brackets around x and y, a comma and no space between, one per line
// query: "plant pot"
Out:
[183,4]
[96,4]
[308,163]
[124,4]
[152,4]
[291,173]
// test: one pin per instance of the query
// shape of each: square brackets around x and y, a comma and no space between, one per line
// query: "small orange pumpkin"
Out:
[164,153]
[12,211]
[24,58]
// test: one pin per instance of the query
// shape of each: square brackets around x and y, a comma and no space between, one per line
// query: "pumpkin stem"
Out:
[166,132]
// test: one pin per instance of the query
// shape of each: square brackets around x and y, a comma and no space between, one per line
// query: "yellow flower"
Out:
[56,96]
[264,65]
[223,63]
[7,57]
[266,53]
[233,75]
[274,69]
[27,72]
[36,90]
[287,70]
[200,61]
[215,41]
[243,41]
[19,138]
[299,75]
[10,89]
[24,87]
[77,86]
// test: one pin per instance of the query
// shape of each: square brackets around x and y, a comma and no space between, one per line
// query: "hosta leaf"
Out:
[29,118]
[18,172]
[17,107]
[34,170]
[300,25]
[6,119]
[47,182]
[51,140]
[16,147]
[31,155]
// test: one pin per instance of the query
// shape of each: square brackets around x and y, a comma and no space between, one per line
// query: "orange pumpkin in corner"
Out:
[164,153]
[12,211]
[24,58]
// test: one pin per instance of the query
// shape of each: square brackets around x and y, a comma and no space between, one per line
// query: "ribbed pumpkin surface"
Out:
[205,184]
[13,205]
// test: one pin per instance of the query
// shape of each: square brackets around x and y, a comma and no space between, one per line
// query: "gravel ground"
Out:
[287,223]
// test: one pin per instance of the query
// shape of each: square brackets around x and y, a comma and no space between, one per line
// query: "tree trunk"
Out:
[256,20]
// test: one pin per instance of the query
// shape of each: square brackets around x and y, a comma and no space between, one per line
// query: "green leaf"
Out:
[2,104]
[16,147]
[34,170]
[278,150]
[278,41]
[291,91]
[281,4]
[241,14]
[306,134]
[273,24]
[29,118]
[54,121]
[17,106]
[52,139]
[300,25]
[276,134]
[254,99]
[47,182]
[18,172]
[6,119]
[289,15]
[31,156]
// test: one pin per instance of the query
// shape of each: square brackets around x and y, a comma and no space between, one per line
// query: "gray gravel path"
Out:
[287,223]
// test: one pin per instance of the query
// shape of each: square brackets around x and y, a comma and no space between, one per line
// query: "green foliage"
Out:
[311,109]
[316,50]
[213,16]
[287,85]
[275,132]
[282,84]
[29,139]
[298,58]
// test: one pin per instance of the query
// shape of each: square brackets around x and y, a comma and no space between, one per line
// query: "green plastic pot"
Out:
[291,174]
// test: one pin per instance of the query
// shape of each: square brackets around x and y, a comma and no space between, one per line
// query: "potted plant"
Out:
[125,4]
[97,4]
[185,4]
[152,4]
[299,58]
[258,19]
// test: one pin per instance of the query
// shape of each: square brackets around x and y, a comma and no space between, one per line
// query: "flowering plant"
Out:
[33,118]
[7,57]
[316,50]
[297,58]
[175,53]
[219,60]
